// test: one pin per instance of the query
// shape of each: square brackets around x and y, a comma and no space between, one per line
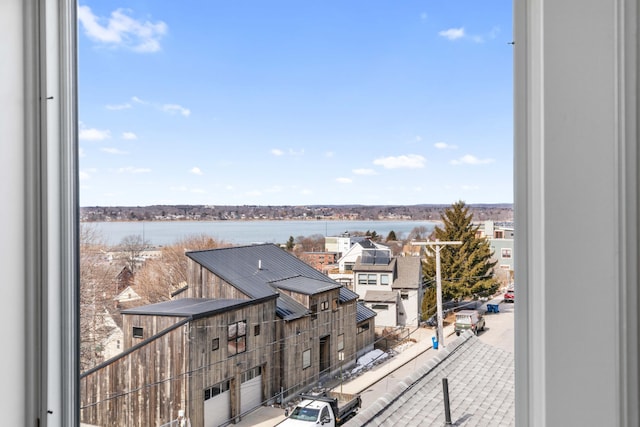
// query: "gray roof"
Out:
[481,390]
[381,296]
[364,313]
[364,266]
[289,309]
[255,269]
[347,295]
[189,307]
[409,273]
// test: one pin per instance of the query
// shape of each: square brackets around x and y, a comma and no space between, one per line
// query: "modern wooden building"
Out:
[255,325]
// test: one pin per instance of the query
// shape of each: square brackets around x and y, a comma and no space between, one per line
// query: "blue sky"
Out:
[304,102]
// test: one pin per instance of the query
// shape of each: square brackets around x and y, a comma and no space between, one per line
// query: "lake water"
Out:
[246,232]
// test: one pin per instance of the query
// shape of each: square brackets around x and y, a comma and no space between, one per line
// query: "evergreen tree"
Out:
[290,244]
[429,303]
[391,237]
[467,269]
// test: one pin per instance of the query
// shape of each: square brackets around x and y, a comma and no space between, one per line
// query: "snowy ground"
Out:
[374,357]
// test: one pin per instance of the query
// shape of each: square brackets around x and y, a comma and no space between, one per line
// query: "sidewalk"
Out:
[267,416]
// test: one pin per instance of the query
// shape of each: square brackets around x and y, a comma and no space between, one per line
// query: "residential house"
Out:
[344,272]
[254,325]
[390,286]
[501,239]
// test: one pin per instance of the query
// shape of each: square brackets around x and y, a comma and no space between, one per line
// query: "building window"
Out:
[335,304]
[250,374]
[216,390]
[367,279]
[256,330]
[138,332]
[237,338]
[324,305]
[314,311]
[380,306]
[340,342]
[306,359]
[384,279]
[404,295]
[506,253]
[499,234]
[215,344]
[364,327]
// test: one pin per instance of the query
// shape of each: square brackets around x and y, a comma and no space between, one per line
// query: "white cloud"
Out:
[471,160]
[197,190]
[196,171]
[175,108]
[409,161]
[452,33]
[329,154]
[93,134]
[112,150]
[129,136]
[470,187]
[364,171]
[81,152]
[181,188]
[131,169]
[138,100]
[423,16]
[296,153]
[445,146]
[121,30]
[306,192]
[277,152]
[124,106]
[86,173]
[344,180]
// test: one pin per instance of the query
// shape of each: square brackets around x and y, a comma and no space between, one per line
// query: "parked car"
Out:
[469,319]
[509,295]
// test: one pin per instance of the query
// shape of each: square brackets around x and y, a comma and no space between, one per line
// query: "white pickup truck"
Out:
[328,409]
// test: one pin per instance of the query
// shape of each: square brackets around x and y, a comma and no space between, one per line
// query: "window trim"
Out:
[306,354]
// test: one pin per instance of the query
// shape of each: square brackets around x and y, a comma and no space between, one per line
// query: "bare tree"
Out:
[97,290]
[157,279]
[132,247]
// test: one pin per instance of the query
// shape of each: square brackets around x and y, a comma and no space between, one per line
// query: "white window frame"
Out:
[555,43]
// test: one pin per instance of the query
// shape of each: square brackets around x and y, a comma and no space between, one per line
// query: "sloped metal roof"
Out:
[364,313]
[189,307]
[252,269]
[347,295]
[288,309]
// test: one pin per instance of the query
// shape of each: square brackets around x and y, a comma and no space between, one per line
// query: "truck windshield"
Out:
[304,414]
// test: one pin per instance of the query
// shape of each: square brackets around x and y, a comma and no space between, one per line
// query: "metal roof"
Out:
[189,307]
[252,269]
[288,309]
[481,390]
[364,313]
[389,266]
[347,295]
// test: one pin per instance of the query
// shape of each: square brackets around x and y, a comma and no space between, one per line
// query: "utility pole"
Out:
[438,245]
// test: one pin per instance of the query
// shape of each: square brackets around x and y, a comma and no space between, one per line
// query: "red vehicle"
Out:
[509,295]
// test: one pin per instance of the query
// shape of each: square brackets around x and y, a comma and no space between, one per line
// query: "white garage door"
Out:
[251,389]
[217,404]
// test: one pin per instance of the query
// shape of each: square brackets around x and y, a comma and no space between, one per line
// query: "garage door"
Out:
[217,404]
[251,389]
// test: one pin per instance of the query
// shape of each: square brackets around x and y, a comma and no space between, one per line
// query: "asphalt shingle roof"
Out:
[381,296]
[409,270]
[481,390]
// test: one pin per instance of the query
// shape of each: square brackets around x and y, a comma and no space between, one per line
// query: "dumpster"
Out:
[434,340]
